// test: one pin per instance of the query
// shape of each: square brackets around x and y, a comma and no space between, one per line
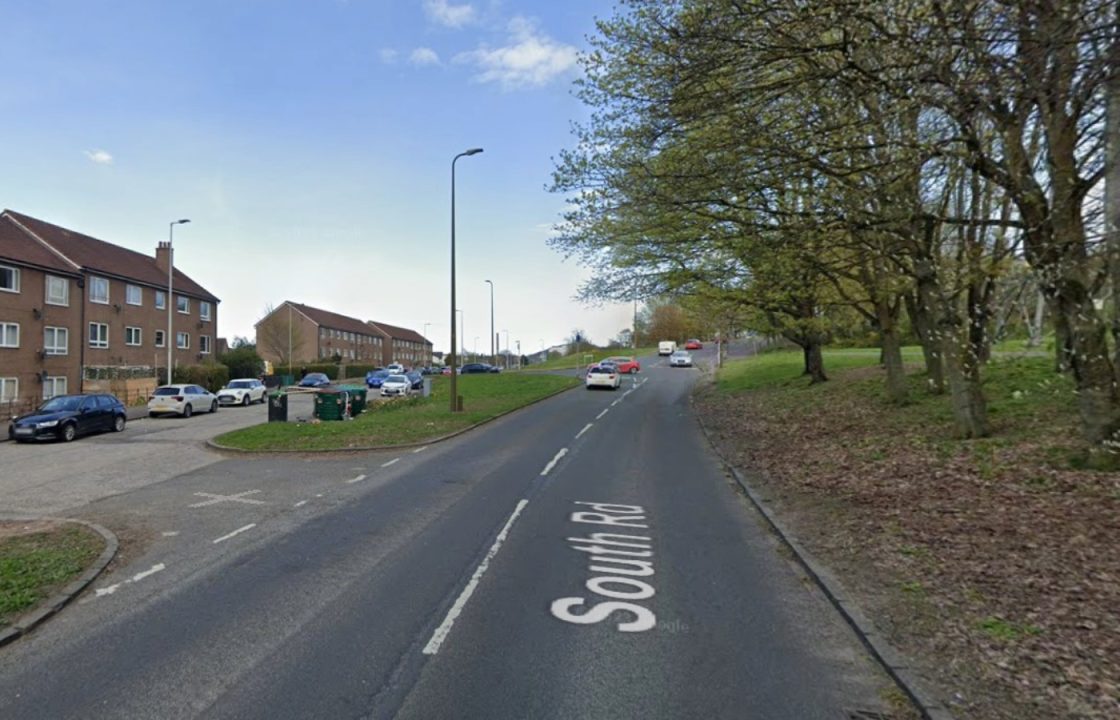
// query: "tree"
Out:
[243,362]
[280,336]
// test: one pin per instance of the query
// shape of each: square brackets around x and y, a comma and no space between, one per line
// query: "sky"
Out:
[310,144]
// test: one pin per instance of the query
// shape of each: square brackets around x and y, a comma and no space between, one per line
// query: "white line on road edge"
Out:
[553,461]
[394,461]
[135,578]
[627,392]
[351,481]
[585,429]
[238,531]
[301,503]
[445,627]
[419,449]
[600,415]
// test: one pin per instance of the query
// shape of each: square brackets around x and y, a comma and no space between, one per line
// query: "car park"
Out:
[694,344]
[242,391]
[66,417]
[314,380]
[374,378]
[681,358]
[602,376]
[396,384]
[182,400]
[626,364]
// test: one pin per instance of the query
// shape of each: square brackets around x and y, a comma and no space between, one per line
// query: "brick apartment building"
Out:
[317,335]
[78,314]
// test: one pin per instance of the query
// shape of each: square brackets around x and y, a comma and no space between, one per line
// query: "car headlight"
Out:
[46,424]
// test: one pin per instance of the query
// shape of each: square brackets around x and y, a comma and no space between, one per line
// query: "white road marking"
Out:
[600,415]
[238,531]
[616,402]
[301,503]
[394,461]
[351,481]
[170,533]
[319,495]
[151,571]
[107,590]
[419,449]
[237,497]
[553,461]
[585,429]
[444,628]
[101,592]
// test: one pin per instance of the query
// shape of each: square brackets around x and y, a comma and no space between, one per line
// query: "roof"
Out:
[100,256]
[17,246]
[332,320]
[399,333]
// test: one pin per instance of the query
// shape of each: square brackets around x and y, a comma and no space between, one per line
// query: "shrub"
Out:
[212,376]
[353,371]
[243,362]
[328,369]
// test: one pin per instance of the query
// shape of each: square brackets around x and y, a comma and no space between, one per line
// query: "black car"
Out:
[65,417]
[471,368]
[315,380]
[416,378]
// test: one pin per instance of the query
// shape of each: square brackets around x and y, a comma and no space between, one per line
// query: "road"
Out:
[469,579]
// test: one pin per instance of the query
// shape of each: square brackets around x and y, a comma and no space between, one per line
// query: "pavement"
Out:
[462,579]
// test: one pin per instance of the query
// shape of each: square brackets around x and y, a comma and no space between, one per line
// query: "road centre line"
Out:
[616,402]
[394,461]
[444,628]
[301,503]
[553,461]
[600,415]
[236,497]
[135,578]
[352,480]
[585,429]
[419,449]
[238,531]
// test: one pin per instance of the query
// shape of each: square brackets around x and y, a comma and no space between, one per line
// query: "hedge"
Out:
[353,371]
[328,369]
[213,377]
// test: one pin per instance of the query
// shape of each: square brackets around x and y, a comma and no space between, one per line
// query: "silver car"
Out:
[183,400]
[396,385]
[681,358]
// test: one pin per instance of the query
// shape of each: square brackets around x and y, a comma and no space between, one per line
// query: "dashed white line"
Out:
[394,461]
[151,571]
[586,427]
[616,402]
[101,592]
[600,415]
[553,461]
[352,480]
[444,628]
[238,531]
[170,533]
[419,449]
[301,503]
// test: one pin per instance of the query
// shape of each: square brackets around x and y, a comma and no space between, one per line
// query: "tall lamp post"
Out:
[454,360]
[507,349]
[493,354]
[170,296]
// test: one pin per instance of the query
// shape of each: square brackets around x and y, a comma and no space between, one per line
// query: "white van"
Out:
[666,347]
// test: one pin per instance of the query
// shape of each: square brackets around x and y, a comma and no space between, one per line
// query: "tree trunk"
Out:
[892,351]
[814,359]
[921,306]
[970,409]
[1034,329]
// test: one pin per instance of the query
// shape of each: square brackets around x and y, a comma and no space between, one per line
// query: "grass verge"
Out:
[569,362]
[35,564]
[406,421]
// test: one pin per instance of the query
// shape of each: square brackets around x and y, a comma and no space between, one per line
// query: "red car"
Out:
[626,365]
[694,345]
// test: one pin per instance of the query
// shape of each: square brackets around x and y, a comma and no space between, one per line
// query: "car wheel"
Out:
[153,414]
[214,406]
[118,423]
[69,432]
[11,432]
[246,400]
[188,411]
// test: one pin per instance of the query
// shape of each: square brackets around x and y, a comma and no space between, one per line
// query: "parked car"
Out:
[445,370]
[395,368]
[374,378]
[242,391]
[182,400]
[603,376]
[65,417]
[396,384]
[416,378]
[666,347]
[314,380]
[681,358]
[694,344]
[474,368]
[626,364]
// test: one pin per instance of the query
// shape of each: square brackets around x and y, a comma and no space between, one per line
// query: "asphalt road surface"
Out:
[583,558]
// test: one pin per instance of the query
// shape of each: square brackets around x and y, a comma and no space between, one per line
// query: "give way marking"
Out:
[238,498]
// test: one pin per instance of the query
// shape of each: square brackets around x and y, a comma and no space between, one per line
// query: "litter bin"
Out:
[330,405]
[357,398]
[278,407]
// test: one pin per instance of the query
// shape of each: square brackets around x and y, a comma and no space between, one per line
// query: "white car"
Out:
[183,400]
[603,376]
[681,358]
[396,369]
[396,385]
[242,391]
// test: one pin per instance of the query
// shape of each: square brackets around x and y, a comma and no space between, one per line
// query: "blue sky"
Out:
[310,143]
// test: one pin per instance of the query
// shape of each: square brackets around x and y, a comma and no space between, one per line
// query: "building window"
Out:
[58,290]
[204,344]
[322,332]
[161,300]
[9,335]
[183,304]
[54,386]
[132,336]
[99,290]
[161,338]
[9,278]
[56,341]
[183,341]
[98,335]
[133,295]
[204,310]
[9,389]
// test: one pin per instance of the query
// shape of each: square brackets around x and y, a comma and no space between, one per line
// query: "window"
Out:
[183,304]
[183,340]
[133,295]
[98,335]
[161,338]
[132,336]
[204,344]
[56,341]
[58,290]
[9,278]
[9,389]
[204,309]
[161,300]
[99,290]
[54,386]
[322,332]
[9,335]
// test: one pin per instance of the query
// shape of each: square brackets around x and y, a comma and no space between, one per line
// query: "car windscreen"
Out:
[243,384]
[600,371]
[168,391]
[66,403]
[380,374]
[397,379]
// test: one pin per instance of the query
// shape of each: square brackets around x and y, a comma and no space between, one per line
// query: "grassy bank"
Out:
[570,362]
[409,420]
[35,564]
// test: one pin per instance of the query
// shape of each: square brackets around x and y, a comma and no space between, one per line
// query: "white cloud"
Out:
[424,56]
[100,157]
[387,55]
[530,59]
[444,13]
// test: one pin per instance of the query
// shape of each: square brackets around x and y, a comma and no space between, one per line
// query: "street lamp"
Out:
[170,296]
[454,386]
[462,335]
[507,348]
[493,354]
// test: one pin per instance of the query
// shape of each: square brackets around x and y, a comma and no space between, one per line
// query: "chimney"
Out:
[163,255]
